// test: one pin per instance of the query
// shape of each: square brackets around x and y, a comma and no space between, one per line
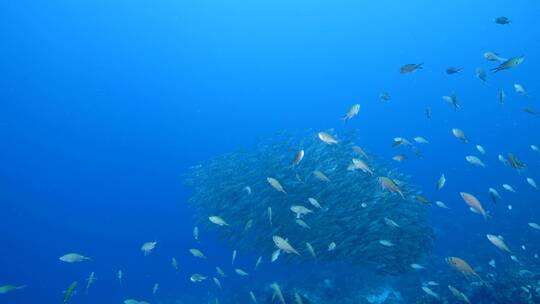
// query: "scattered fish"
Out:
[459,134]
[196,278]
[284,245]
[520,89]
[441,182]
[327,138]
[474,203]
[480,149]
[532,183]
[453,70]
[276,184]
[353,111]
[473,160]
[492,56]
[74,258]
[508,64]
[217,220]
[298,157]
[509,188]
[498,242]
[502,20]
[148,247]
[410,67]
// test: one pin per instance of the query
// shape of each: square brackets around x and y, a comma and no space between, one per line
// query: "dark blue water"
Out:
[105,105]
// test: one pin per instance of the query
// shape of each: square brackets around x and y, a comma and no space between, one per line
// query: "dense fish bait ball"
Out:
[266,192]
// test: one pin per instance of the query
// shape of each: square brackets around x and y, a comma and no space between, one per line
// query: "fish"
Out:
[502,96]
[298,298]
[480,149]
[302,224]
[535,148]
[9,288]
[174,263]
[259,261]
[502,20]
[453,70]
[332,246]
[233,258]
[390,185]
[492,56]
[74,258]
[494,194]
[284,245]
[390,222]
[386,243]
[148,247]
[276,184]
[430,292]
[248,225]
[298,157]
[277,292]
[473,160]
[417,266]
[458,294]
[217,282]
[196,233]
[327,138]
[461,266]
[421,140]
[120,275]
[361,165]
[427,111]
[311,250]
[441,182]
[532,183]
[220,272]
[314,203]
[399,157]
[353,111]
[197,253]
[300,210]
[534,226]
[492,263]
[196,278]
[248,190]
[459,134]
[520,89]
[474,203]
[240,272]
[358,150]
[530,110]
[275,255]
[133,301]
[214,219]
[155,288]
[509,188]
[441,205]
[252,296]
[91,279]
[508,64]
[270,215]
[69,292]
[321,176]
[481,74]
[410,67]
[452,100]
[498,242]
[385,97]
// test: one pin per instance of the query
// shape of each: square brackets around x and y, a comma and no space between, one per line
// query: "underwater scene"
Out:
[299,152]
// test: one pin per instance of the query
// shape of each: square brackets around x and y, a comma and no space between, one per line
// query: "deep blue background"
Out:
[105,104]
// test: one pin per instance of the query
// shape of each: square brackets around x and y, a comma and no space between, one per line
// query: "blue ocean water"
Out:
[106,104]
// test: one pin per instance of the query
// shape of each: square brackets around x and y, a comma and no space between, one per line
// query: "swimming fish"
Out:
[300,210]
[298,157]
[492,56]
[259,261]
[520,89]
[480,149]
[120,275]
[302,224]
[458,294]
[509,188]
[69,292]
[430,292]
[240,272]
[314,203]
[327,138]
[174,263]
[417,266]
[389,185]
[196,278]
[410,67]
[148,247]
[532,183]
[502,96]
[276,184]
[353,111]
[277,292]
[474,203]
[252,296]
[91,279]
[459,134]
[9,288]
[534,226]
[473,160]
[498,242]
[461,266]
[133,301]
[197,253]
[502,20]
[441,182]
[233,257]
[284,245]
[453,70]
[481,74]
[361,165]
[74,258]
[217,220]
[452,100]
[508,64]
[494,194]
[421,140]
[155,289]
[332,246]
[311,250]
[441,205]
[275,255]
[386,243]
[217,282]
[196,233]
[385,97]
